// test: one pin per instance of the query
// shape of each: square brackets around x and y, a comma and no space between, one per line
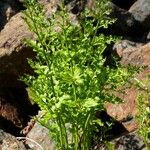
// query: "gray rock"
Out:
[136,54]
[40,135]
[9,142]
[141,12]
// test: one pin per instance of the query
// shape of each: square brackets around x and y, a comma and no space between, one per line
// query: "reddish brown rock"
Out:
[13,52]
[122,110]
[130,125]
[15,109]
[135,54]
[13,64]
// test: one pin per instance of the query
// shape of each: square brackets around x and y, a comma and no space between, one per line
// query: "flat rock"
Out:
[126,111]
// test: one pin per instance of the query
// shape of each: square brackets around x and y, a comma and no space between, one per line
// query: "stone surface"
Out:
[13,64]
[41,135]
[122,110]
[130,141]
[15,109]
[8,142]
[130,126]
[126,111]
[137,55]
[141,12]
[13,53]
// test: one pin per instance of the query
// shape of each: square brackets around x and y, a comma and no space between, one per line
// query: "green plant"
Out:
[143,116]
[71,81]
[110,146]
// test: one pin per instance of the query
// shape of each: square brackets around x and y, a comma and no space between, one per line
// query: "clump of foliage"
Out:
[143,116]
[71,81]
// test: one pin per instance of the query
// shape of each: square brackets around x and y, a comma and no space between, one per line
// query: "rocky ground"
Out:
[133,24]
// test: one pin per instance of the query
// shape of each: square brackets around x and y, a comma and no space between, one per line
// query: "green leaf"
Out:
[90,103]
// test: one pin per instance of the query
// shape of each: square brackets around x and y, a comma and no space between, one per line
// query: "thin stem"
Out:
[63,133]
[38,32]
[85,139]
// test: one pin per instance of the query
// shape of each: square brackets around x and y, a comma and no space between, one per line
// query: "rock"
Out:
[126,111]
[40,135]
[130,126]
[8,8]
[122,110]
[138,55]
[13,51]
[9,142]
[15,109]
[76,6]
[13,64]
[125,23]
[123,46]
[141,12]
[130,141]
